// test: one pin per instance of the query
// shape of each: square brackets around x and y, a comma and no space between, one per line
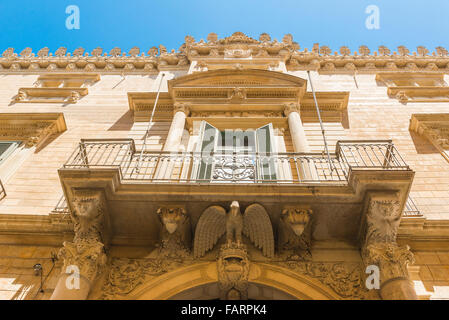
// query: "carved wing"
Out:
[257,227]
[210,228]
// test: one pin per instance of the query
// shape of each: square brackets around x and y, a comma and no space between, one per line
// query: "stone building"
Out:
[204,174]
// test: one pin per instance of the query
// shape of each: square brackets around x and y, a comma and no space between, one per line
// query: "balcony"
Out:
[136,184]
[214,167]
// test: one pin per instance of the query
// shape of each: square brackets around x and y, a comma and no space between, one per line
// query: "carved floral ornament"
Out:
[238,45]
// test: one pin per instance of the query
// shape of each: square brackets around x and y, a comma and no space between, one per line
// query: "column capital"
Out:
[88,256]
[181,107]
[290,107]
[391,259]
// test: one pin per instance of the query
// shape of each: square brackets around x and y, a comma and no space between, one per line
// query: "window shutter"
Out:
[6,148]
[207,144]
[266,161]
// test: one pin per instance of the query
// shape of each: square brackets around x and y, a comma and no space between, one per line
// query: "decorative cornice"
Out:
[264,51]
[33,128]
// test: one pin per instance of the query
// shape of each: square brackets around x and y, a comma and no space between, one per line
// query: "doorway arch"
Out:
[199,281]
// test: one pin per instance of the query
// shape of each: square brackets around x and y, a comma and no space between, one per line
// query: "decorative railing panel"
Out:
[221,167]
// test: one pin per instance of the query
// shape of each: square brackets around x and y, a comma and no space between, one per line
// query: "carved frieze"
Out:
[346,279]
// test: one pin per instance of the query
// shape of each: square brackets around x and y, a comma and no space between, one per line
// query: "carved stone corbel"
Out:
[382,218]
[89,216]
[176,235]
[84,257]
[295,232]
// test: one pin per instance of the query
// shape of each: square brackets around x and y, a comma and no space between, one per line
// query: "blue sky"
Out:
[147,23]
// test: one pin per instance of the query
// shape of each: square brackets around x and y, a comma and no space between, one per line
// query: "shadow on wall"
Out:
[47,141]
[422,145]
[125,123]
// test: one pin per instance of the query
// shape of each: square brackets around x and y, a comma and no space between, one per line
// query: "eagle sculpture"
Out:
[215,222]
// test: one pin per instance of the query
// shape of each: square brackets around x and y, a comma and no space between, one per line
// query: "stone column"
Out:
[300,143]
[84,257]
[380,249]
[166,164]
[392,262]
[174,137]
[83,262]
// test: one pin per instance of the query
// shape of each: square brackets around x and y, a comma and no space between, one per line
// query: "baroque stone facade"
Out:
[214,182]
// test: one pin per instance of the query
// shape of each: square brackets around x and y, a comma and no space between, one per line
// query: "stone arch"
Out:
[262,275]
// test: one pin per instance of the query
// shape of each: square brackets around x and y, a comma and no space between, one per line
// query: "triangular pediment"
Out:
[238,78]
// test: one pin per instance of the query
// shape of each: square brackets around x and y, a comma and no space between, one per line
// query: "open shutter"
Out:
[6,148]
[207,144]
[266,161]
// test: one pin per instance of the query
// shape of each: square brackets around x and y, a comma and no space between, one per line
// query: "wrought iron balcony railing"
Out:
[220,167]
[411,209]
